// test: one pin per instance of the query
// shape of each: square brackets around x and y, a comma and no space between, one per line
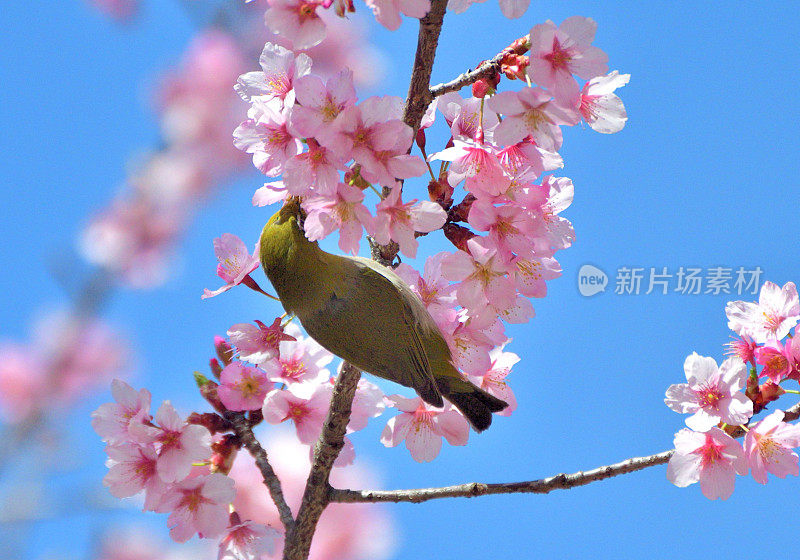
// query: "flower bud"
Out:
[213,422]
[460,212]
[224,350]
[224,453]
[216,369]
[441,192]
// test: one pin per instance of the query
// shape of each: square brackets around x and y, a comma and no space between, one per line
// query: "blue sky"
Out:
[705,174]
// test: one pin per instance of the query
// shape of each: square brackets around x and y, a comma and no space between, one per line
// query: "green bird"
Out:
[367,315]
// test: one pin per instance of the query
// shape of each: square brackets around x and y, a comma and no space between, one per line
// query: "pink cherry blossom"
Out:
[531,112]
[315,171]
[483,276]
[600,107]
[132,470]
[530,273]
[258,343]
[280,70]
[514,9]
[743,347]
[247,540]
[367,403]
[23,383]
[344,211]
[713,458]
[529,158]
[198,505]
[423,426]
[305,404]
[297,21]
[712,394]
[235,262]
[387,12]
[471,345]
[559,192]
[318,103]
[460,6]
[768,445]
[558,52]
[778,359]
[494,380]
[436,293]
[398,221]
[463,116]
[301,360]
[243,387]
[479,165]
[178,444]
[270,193]
[265,135]
[112,421]
[510,227]
[777,311]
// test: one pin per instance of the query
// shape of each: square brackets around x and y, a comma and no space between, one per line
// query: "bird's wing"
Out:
[370,321]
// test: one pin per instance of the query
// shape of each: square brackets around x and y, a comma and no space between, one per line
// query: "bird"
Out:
[367,315]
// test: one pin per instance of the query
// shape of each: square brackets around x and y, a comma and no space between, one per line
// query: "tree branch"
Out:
[542,486]
[473,489]
[419,96]
[315,497]
[484,70]
[244,432]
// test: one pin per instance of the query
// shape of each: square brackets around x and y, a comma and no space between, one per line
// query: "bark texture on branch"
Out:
[315,497]
[242,429]
[473,489]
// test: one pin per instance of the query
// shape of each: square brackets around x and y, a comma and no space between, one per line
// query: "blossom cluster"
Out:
[332,152]
[156,455]
[723,399]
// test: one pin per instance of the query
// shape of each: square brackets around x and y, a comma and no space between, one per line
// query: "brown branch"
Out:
[541,486]
[486,69]
[473,489]
[244,432]
[315,497]
[419,96]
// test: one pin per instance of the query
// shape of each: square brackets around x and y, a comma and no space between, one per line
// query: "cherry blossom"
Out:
[399,221]
[244,387]
[743,347]
[265,135]
[270,193]
[387,12]
[258,343]
[713,458]
[178,444]
[320,103]
[778,359]
[301,359]
[198,505]
[600,107]
[436,293]
[235,262]
[768,445]
[315,171]
[494,380]
[280,70]
[344,211]
[514,9]
[530,273]
[23,384]
[422,427]
[132,470]
[464,117]
[531,112]
[305,404]
[712,393]
[297,20]
[510,227]
[246,540]
[777,311]
[558,52]
[528,158]
[112,421]
[479,165]
[367,403]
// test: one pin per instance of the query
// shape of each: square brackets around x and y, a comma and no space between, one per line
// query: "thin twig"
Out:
[331,442]
[484,70]
[473,489]
[244,432]
[541,486]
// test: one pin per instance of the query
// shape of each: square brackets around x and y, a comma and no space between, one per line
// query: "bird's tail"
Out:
[473,402]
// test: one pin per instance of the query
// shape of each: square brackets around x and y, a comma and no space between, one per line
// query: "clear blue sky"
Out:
[705,174]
